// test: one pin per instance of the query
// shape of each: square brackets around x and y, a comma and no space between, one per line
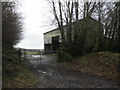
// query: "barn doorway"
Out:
[55,43]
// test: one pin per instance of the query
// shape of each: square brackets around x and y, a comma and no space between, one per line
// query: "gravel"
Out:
[51,75]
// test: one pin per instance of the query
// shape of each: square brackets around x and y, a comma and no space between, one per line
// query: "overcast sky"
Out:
[37,20]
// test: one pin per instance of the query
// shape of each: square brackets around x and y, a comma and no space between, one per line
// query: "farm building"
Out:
[52,39]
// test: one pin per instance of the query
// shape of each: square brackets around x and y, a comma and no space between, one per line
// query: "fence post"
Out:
[24,54]
[19,53]
[40,55]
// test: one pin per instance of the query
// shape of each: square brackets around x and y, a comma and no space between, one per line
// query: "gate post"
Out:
[24,54]
[19,53]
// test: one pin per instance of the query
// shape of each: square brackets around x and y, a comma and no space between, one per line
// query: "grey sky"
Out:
[37,20]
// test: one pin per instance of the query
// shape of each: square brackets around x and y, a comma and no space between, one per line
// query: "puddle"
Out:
[35,55]
[43,72]
[34,61]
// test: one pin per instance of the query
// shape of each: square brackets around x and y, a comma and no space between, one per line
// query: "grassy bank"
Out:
[24,79]
[101,63]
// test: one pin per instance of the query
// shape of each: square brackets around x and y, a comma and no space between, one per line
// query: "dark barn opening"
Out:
[55,43]
[47,48]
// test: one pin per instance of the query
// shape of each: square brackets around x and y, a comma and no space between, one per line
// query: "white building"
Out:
[52,40]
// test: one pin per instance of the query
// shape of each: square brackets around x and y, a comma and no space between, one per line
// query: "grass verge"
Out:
[24,79]
[100,63]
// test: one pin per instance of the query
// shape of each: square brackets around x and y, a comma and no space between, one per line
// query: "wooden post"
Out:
[40,55]
[19,52]
[51,47]
[24,54]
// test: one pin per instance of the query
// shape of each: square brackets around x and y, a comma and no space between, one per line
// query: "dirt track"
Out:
[51,75]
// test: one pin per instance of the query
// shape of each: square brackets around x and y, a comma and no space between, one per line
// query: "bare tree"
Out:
[64,16]
[68,14]
[109,18]
[89,8]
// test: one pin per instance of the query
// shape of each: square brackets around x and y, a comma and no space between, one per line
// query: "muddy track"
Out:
[51,75]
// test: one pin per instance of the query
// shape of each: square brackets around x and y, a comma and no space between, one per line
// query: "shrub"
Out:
[64,57]
[10,61]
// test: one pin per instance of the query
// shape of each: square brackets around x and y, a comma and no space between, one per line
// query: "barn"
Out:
[52,39]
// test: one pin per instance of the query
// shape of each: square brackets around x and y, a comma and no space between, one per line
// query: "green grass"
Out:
[31,52]
[25,79]
[99,63]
